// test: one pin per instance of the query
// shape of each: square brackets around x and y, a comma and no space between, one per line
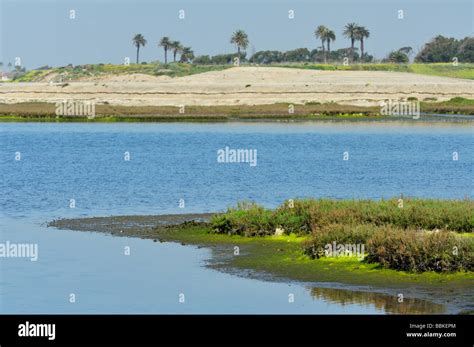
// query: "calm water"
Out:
[169,162]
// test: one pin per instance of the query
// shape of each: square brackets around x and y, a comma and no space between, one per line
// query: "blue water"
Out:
[169,162]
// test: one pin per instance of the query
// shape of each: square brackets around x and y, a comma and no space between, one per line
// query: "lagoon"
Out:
[174,161]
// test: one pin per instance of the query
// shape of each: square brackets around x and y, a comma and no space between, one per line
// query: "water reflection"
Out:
[383,302]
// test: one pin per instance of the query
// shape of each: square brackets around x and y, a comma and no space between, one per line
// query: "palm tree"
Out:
[320,33]
[165,43]
[330,35]
[361,34]
[187,55]
[350,31]
[240,39]
[176,47]
[138,40]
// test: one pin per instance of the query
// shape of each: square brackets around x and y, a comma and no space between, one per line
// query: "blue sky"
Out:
[40,32]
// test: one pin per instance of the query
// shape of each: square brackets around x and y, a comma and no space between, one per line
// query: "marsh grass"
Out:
[420,236]
[341,234]
[455,105]
[305,216]
[415,251]
[41,110]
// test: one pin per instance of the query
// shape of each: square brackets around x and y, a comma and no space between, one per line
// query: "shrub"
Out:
[247,219]
[305,216]
[339,233]
[418,251]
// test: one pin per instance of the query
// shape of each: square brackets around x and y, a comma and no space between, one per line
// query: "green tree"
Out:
[165,43]
[330,36]
[398,57]
[240,39]
[320,33]
[187,55]
[350,32]
[439,50]
[407,50]
[360,35]
[466,50]
[138,40]
[297,55]
[267,57]
[202,59]
[177,48]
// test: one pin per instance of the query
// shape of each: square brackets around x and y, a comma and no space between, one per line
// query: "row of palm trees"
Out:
[239,38]
[352,31]
[168,45]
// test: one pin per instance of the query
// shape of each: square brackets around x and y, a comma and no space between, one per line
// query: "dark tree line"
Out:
[445,49]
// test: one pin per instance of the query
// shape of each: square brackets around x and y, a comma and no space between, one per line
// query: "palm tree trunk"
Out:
[329,48]
[138,50]
[324,52]
[362,49]
[352,49]
[174,56]
[166,55]
[238,53]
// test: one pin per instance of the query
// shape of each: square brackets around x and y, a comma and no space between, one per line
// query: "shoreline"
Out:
[456,110]
[278,258]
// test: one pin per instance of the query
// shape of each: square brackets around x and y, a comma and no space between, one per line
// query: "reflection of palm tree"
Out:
[361,34]
[320,33]
[165,43]
[240,39]
[176,47]
[349,32]
[138,40]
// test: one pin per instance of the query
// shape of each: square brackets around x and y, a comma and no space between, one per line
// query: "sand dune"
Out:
[245,86]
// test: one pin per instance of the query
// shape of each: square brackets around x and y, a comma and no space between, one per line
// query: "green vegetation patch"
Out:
[413,251]
[72,73]
[411,234]
[306,216]
[461,70]
[282,258]
[455,105]
[104,112]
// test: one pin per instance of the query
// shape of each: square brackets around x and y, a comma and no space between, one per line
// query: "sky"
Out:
[41,32]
